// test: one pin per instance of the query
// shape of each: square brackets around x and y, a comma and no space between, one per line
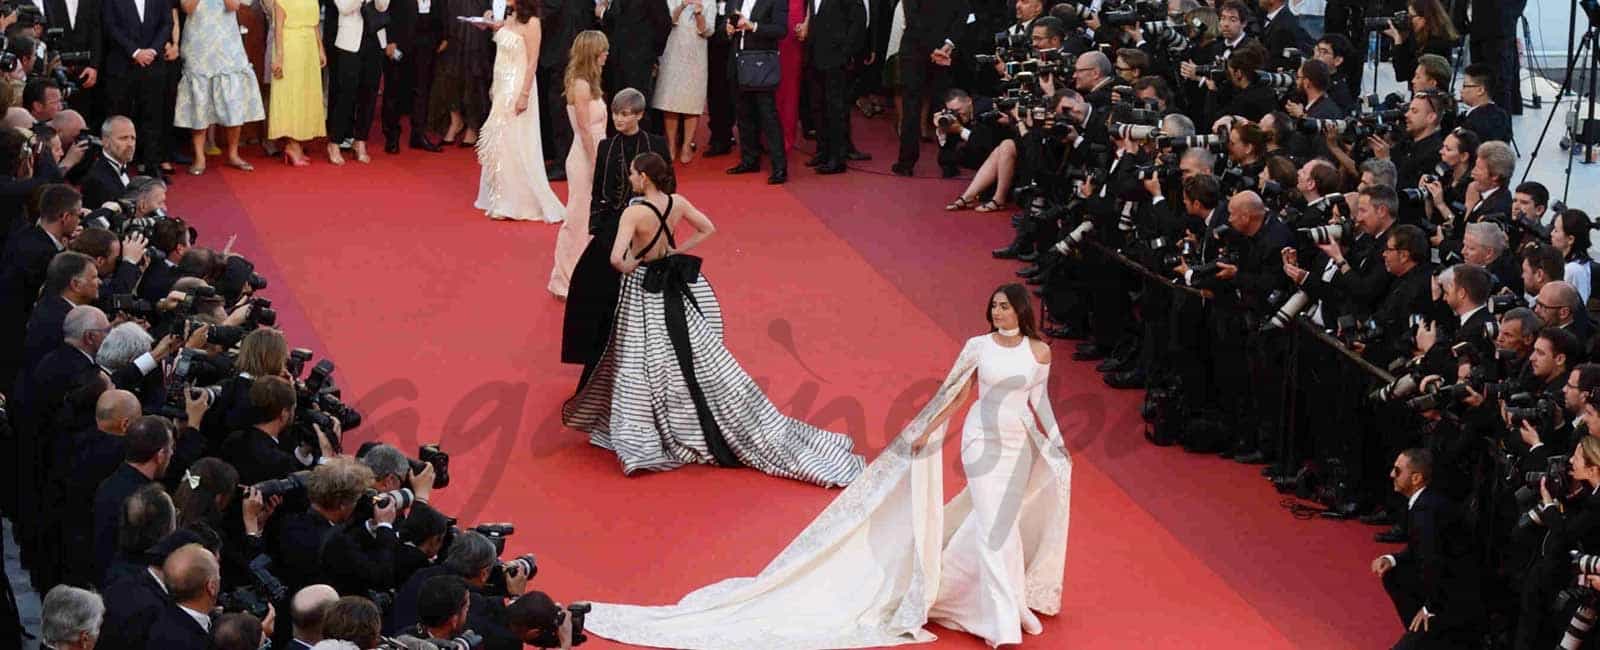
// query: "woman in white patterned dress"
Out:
[512,184]
[666,392]
[681,89]
[889,556]
[218,85]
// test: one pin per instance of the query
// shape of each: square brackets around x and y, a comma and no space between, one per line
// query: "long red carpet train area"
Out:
[848,298]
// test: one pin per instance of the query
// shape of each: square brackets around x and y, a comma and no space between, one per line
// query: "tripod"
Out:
[1587,43]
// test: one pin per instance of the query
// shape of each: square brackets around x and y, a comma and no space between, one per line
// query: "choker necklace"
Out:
[1009,332]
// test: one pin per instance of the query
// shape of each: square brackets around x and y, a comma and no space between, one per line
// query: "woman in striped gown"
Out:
[666,392]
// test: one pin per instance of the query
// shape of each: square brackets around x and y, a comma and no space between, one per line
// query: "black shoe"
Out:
[778,178]
[900,169]
[1392,536]
[743,168]
[391,145]
[1027,256]
[1114,364]
[1379,517]
[1029,271]
[1253,458]
[1064,333]
[1008,253]
[1088,352]
[816,161]
[426,145]
[718,149]
[831,168]
[1128,379]
[857,156]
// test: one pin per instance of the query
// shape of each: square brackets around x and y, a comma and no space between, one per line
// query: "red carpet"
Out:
[848,298]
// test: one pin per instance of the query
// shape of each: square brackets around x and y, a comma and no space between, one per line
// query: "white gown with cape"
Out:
[889,555]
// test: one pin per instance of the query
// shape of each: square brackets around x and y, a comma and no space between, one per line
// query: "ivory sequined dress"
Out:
[512,184]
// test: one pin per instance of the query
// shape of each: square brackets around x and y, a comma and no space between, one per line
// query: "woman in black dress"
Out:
[460,98]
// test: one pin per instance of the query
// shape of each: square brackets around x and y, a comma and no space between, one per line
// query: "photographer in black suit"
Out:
[1431,582]
[1281,30]
[136,74]
[756,25]
[927,51]
[834,35]
[194,578]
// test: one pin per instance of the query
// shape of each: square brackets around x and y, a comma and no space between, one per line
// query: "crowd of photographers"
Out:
[1340,289]
[180,472]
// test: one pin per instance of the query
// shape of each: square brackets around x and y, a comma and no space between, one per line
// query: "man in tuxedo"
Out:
[150,449]
[194,578]
[720,107]
[756,25]
[1431,581]
[638,31]
[296,547]
[1484,117]
[834,33]
[560,23]
[306,612]
[108,175]
[136,600]
[1491,27]
[136,72]
[257,452]
[927,49]
[171,237]
[71,281]
[26,260]
[411,40]
[82,30]
[1281,30]
[117,261]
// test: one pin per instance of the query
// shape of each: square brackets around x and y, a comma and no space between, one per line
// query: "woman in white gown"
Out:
[889,555]
[512,184]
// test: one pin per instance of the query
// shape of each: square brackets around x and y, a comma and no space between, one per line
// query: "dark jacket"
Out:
[126,33]
[102,183]
[177,630]
[81,34]
[929,23]
[133,604]
[1489,121]
[838,33]
[108,500]
[258,457]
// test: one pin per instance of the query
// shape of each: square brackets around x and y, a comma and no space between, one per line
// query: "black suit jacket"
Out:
[257,457]
[838,33]
[1283,32]
[133,604]
[929,23]
[295,546]
[1438,546]
[560,24]
[22,267]
[177,630]
[81,34]
[1489,121]
[641,24]
[127,33]
[101,183]
[157,281]
[1498,203]
[401,29]
[354,561]
[44,331]
[108,500]
[1408,294]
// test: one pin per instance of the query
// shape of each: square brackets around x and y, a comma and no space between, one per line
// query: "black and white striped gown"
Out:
[640,402]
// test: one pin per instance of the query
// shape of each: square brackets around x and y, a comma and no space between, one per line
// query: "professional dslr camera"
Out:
[318,402]
[466,640]
[255,599]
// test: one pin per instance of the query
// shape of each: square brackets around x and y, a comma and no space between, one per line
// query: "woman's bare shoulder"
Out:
[1041,351]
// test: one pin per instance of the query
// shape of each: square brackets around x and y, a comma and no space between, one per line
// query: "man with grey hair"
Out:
[1091,76]
[1377,171]
[391,470]
[108,175]
[127,354]
[148,194]
[1490,177]
[472,558]
[72,618]
[1518,328]
[1485,244]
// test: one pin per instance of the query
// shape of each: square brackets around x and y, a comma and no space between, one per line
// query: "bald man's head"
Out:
[193,576]
[1246,213]
[114,410]
[68,124]
[18,117]
[308,608]
[1561,294]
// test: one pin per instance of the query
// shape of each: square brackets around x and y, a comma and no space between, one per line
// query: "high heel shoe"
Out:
[333,155]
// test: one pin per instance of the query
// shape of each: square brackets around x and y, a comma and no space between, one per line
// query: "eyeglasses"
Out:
[1077,70]
[1471,85]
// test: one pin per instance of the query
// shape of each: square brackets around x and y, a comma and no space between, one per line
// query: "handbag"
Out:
[756,71]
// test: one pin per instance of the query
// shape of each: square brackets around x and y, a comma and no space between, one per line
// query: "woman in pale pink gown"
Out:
[587,111]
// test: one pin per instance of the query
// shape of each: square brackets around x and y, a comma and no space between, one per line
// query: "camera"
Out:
[1401,20]
[432,455]
[1327,234]
[1215,143]
[946,118]
[1439,398]
[1527,407]
[550,639]
[281,486]
[127,303]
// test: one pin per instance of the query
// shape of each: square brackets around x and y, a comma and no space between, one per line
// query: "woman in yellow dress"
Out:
[297,111]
